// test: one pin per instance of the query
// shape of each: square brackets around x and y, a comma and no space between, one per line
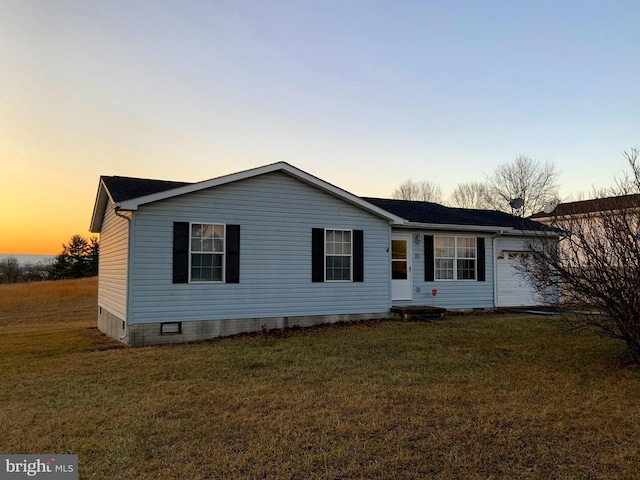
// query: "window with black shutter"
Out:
[206,252]
[337,255]
[454,258]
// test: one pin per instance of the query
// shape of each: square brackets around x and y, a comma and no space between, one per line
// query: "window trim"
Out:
[350,255]
[223,254]
[455,259]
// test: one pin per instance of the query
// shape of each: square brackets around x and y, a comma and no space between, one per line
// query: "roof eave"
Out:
[102,199]
[478,228]
[533,233]
[457,227]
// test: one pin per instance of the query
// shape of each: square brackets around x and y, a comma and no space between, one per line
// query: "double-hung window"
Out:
[207,252]
[455,258]
[338,255]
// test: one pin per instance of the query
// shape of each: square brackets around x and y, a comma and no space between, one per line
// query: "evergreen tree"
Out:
[78,259]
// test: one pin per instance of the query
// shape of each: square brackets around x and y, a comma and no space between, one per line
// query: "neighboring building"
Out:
[597,234]
[592,208]
[275,247]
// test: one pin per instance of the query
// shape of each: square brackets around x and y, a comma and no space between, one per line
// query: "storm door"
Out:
[401,267]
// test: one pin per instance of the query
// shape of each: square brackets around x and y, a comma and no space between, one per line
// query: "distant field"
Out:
[27,258]
[48,303]
[477,397]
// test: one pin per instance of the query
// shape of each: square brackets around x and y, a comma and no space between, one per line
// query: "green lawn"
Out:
[487,396]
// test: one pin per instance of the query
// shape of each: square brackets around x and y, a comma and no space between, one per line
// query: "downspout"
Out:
[494,244]
[116,211]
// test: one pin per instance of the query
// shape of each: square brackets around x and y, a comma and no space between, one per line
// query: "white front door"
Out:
[401,267]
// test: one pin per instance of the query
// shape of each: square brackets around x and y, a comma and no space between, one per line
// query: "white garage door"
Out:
[513,289]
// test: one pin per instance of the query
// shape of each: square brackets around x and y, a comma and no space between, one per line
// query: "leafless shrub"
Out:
[596,265]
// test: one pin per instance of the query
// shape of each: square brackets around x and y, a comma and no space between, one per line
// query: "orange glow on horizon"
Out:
[19,246]
[25,239]
[41,206]
[40,236]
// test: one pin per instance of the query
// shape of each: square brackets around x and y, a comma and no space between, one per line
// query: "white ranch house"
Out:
[276,247]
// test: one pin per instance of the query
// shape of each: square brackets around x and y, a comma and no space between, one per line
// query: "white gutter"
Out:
[476,228]
[457,227]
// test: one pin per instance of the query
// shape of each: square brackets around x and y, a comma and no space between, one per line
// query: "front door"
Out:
[401,267]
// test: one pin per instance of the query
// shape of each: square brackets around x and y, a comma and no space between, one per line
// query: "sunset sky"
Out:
[361,94]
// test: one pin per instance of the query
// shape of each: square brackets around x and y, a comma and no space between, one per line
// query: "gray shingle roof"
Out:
[427,212]
[126,188]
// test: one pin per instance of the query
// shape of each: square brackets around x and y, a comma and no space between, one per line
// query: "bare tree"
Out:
[596,266]
[9,270]
[471,195]
[422,190]
[534,182]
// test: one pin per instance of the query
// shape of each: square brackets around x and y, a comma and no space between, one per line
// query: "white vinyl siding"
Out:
[112,263]
[276,214]
[452,294]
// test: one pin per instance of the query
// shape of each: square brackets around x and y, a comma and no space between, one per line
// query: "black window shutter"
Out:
[232,260]
[317,254]
[481,259]
[180,252]
[358,256]
[429,265]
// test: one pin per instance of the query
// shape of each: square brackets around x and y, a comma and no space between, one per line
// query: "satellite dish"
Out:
[516,203]
[548,208]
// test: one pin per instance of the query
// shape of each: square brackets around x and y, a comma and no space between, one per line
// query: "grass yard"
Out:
[488,396]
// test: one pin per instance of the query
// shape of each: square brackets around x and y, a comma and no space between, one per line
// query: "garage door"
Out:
[513,289]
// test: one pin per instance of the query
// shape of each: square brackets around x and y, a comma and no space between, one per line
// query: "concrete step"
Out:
[417,313]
